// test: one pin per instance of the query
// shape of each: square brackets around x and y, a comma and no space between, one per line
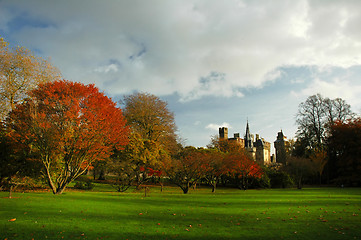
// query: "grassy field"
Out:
[310,213]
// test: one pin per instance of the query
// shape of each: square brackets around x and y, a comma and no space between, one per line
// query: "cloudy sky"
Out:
[216,63]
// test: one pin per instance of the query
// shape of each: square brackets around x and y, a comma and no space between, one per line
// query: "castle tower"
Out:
[280,146]
[223,133]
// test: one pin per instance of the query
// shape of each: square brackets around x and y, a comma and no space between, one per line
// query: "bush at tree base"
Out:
[83,183]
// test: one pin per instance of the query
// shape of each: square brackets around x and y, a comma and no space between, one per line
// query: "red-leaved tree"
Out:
[69,126]
[242,168]
[186,168]
[212,166]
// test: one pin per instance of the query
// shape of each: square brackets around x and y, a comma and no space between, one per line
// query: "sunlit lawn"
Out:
[311,213]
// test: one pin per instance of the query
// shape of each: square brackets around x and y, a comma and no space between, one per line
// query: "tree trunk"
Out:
[101,175]
[50,181]
[10,191]
[214,187]
[59,190]
[185,190]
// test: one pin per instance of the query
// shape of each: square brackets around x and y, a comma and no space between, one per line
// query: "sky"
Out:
[216,63]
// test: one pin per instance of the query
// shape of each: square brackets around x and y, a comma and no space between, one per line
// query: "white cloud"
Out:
[215,127]
[333,88]
[176,46]
[105,69]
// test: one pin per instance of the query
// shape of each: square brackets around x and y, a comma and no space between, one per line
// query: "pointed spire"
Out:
[247,137]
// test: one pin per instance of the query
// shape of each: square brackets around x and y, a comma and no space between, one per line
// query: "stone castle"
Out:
[258,148]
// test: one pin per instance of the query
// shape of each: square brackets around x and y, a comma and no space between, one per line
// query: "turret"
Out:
[280,148]
[223,133]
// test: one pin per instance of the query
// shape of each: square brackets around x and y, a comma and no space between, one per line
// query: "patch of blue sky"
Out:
[24,20]
[138,54]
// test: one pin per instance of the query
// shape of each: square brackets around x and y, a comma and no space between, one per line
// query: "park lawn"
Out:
[310,213]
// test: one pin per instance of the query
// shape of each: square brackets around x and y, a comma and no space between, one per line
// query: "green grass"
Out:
[311,213]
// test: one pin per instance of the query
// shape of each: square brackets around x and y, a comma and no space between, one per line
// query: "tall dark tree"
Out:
[14,165]
[344,147]
[300,168]
[315,117]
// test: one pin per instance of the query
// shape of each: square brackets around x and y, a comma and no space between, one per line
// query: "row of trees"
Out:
[190,166]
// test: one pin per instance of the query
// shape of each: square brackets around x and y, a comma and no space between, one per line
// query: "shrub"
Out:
[279,179]
[262,182]
[84,183]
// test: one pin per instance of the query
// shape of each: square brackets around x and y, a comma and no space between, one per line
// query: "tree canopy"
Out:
[344,146]
[21,71]
[153,128]
[69,126]
[315,117]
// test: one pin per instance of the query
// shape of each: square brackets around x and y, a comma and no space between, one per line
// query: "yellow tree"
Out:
[20,72]
[153,125]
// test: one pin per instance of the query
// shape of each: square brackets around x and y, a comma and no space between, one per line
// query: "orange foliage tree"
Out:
[69,126]
[242,168]
[185,169]
[236,164]
[212,166]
